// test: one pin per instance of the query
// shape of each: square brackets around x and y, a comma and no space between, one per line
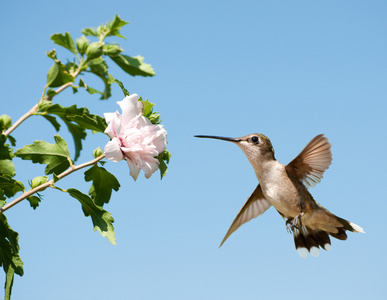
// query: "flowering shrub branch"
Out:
[136,136]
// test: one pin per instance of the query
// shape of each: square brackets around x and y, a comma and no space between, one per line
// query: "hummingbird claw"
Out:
[292,224]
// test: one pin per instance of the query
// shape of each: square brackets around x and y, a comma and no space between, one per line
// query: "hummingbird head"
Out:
[257,147]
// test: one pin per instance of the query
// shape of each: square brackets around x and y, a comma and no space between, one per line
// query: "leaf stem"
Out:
[50,182]
[22,118]
[34,109]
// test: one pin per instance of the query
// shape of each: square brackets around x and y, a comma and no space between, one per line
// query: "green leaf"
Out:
[10,186]
[78,133]
[163,158]
[53,121]
[121,85]
[89,89]
[133,65]
[89,31]
[52,54]
[77,121]
[154,117]
[34,201]
[115,26]
[102,220]
[7,167]
[5,150]
[103,184]
[65,41]
[58,76]
[99,67]
[56,156]
[12,140]
[52,73]
[89,121]
[9,254]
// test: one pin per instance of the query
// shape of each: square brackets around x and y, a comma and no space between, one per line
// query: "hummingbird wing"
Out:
[310,165]
[255,206]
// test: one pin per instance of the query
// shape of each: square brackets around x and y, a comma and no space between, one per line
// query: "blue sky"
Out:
[287,69]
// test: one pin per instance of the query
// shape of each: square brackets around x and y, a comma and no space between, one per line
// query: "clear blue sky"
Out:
[287,69]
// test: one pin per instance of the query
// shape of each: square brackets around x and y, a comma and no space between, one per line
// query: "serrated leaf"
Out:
[89,89]
[65,41]
[89,31]
[121,85]
[107,92]
[154,117]
[78,133]
[103,184]
[77,121]
[10,186]
[5,150]
[7,167]
[99,67]
[12,140]
[52,54]
[34,201]
[53,121]
[9,254]
[89,121]
[102,220]
[55,156]
[115,26]
[133,65]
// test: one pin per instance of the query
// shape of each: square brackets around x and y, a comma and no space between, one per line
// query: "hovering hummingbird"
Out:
[286,189]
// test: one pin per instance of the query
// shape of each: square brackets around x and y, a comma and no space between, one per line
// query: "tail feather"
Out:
[310,240]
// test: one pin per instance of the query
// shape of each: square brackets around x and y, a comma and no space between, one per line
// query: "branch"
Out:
[50,183]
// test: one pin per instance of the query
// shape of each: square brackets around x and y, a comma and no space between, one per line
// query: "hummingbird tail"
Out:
[309,240]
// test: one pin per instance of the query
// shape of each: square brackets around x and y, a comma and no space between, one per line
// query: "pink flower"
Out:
[134,138]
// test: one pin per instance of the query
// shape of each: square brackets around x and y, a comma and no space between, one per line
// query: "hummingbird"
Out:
[285,187]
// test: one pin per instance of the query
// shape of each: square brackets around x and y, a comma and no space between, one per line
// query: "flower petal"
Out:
[134,168]
[130,107]
[113,150]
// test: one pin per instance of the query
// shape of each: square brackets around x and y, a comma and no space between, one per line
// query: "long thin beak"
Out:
[234,140]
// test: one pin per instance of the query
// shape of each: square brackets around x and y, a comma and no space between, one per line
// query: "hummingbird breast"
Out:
[280,190]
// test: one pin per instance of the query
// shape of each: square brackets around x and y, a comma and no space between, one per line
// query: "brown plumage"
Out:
[286,188]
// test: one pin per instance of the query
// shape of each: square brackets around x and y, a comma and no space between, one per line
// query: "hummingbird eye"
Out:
[255,140]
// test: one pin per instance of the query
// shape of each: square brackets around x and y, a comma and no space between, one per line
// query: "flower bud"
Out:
[82,44]
[97,152]
[94,50]
[112,49]
[5,121]
[38,181]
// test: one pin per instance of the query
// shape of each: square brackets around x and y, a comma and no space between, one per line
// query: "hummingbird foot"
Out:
[292,224]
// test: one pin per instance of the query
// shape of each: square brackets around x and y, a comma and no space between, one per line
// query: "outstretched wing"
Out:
[310,165]
[255,206]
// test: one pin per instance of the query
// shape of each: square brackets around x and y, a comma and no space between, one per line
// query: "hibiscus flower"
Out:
[134,138]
